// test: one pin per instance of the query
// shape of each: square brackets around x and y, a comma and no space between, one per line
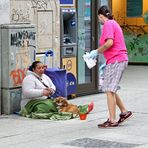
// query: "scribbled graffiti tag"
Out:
[20,15]
[18,76]
[40,4]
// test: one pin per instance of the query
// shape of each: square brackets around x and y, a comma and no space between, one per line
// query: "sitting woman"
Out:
[36,88]
[36,91]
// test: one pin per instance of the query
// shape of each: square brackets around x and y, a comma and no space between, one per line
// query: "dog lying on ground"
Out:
[65,106]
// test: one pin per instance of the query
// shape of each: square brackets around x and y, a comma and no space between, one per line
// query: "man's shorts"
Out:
[112,76]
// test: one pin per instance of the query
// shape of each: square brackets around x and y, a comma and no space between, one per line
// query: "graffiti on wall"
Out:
[22,44]
[23,14]
[17,38]
[18,76]
[137,45]
[136,38]
[20,15]
[25,41]
[39,4]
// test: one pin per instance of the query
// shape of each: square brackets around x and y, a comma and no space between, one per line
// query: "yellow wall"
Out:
[119,13]
[135,31]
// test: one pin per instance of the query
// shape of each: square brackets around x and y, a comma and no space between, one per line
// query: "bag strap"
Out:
[42,82]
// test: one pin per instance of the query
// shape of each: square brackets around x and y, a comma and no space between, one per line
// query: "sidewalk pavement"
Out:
[19,132]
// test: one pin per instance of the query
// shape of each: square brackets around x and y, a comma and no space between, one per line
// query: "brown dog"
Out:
[65,106]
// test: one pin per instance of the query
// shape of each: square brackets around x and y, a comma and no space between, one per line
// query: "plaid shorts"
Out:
[112,76]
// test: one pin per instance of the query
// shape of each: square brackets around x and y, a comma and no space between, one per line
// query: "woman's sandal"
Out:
[124,116]
[108,124]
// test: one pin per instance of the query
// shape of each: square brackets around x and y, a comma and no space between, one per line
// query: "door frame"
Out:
[91,88]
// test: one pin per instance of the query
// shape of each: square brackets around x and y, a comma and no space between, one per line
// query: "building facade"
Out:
[68,29]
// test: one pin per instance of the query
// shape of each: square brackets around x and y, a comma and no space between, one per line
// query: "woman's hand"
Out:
[48,91]
[93,54]
[51,91]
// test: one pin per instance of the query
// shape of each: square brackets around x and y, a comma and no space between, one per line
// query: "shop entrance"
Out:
[87,79]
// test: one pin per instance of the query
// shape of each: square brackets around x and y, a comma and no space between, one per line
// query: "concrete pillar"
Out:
[18,44]
[45,15]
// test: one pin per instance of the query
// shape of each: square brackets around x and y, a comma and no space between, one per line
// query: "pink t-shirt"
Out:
[118,51]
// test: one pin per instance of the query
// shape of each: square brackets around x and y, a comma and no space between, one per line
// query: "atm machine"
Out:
[68,45]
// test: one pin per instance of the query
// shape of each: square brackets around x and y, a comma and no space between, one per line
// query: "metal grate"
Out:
[96,143]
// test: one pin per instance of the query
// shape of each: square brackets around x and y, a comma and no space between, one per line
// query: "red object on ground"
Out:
[82,116]
[90,107]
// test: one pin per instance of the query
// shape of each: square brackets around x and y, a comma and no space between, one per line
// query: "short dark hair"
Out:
[105,11]
[34,65]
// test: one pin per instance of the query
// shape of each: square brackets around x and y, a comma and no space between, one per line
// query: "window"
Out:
[134,8]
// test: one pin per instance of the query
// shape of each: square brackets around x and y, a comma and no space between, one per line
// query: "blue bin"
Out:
[59,79]
[71,84]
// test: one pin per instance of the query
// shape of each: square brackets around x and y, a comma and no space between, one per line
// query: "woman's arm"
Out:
[49,83]
[101,49]
[29,90]
[106,45]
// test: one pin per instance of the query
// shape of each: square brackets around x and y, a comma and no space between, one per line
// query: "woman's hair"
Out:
[34,65]
[105,11]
